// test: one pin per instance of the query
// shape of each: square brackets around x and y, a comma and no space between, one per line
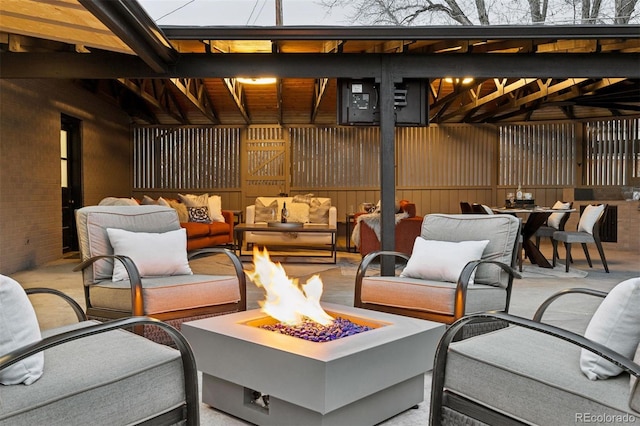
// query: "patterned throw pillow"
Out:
[268,213]
[319,211]
[199,214]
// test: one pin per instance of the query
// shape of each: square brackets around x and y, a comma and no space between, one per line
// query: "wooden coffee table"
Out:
[239,231]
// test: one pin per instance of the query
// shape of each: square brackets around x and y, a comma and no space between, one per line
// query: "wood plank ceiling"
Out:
[50,26]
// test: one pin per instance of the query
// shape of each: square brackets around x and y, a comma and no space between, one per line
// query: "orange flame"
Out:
[285,300]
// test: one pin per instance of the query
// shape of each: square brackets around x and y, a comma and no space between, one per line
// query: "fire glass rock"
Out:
[314,332]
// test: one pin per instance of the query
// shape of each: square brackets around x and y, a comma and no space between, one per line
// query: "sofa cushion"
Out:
[266,212]
[111,378]
[162,294]
[442,260]
[319,211]
[181,210]
[215,208]
[115,201]
[199,214]
[18,327]
[306,198]
[428,295]
[196,230]
[154,254]
[616,325]
[520,366]
[298,212]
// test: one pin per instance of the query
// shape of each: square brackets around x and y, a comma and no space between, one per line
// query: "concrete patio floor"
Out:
[528,292]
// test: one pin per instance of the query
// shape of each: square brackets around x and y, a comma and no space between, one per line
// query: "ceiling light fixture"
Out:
[259,80]
[465,80]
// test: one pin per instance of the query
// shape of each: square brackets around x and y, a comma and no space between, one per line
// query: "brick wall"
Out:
[30,195]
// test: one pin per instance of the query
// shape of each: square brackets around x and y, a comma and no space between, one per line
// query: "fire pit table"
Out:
[268,378]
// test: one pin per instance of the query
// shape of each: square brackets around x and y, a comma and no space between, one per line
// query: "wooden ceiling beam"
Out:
[237,94]
[194,90]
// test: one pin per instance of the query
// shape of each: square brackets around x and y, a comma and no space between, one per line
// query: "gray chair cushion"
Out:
[172,293]
[573,237]
[115,377]
[430,296]
[502,229]
[534,368]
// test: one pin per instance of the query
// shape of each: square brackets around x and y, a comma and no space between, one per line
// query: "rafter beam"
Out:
[237,94]
[194,90]
[156,94]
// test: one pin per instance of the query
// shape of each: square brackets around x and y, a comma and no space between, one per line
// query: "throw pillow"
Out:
[148,201]
[319,211]
[181,210]
[18,327]
[634,385]
[306,198]
[215,208]
[614,325]
[589,217]
[199,214]
[555,218]
[442,260]
[114,201]
[192,200]
[268,213]
[298,212]
[155,254]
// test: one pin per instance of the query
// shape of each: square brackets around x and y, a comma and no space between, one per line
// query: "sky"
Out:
[240,12]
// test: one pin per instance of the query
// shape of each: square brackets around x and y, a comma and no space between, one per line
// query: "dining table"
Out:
[535,218]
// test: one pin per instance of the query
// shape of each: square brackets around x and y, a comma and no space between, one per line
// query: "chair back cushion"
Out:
[92,223]
[501,230]
[555,219]
[589,217]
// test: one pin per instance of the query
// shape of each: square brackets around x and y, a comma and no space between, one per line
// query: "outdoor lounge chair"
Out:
[90,373]
[428,294]
[535,373]
[156,279]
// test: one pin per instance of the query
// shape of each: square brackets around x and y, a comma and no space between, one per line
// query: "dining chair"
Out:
[588,232]
[465,207]
[555,222]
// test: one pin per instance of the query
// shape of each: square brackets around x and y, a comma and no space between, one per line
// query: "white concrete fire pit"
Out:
[268,378]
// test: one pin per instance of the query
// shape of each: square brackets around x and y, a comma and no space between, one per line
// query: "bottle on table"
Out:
[284,213]
[519,193]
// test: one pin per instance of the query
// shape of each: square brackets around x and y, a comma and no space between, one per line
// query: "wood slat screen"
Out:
[537,154]
[612,152]
[445,156]
[188,157]
[334,157]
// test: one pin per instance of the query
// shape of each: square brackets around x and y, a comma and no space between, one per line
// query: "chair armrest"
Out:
[137,305]
[228,217]
[250,214]
[440,361]
[465,276]
[543,307]
[364,265]
[237,265]
[333,216]
[82,316]
[188,359]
